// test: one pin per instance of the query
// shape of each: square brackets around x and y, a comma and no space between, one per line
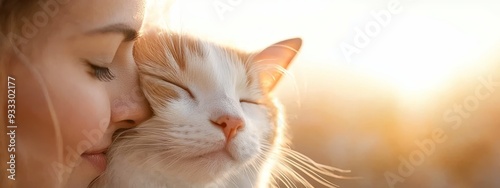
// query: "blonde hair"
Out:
[11,12]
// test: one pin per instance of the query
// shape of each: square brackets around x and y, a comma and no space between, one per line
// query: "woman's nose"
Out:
[130,109]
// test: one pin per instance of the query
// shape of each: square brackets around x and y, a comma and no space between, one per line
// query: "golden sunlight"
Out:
[374,80]
[417,49]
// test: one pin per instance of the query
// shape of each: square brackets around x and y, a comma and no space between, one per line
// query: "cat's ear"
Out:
[275,59]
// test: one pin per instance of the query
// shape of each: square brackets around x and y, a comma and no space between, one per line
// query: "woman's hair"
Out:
[11,13]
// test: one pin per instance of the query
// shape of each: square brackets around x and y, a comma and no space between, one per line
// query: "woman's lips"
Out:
[98,159]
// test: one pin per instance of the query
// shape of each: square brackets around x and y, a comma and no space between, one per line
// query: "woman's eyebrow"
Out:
[128,33]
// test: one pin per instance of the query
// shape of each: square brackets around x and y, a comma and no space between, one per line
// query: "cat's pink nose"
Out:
[230,125]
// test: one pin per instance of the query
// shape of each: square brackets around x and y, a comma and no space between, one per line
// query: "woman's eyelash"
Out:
[102,73]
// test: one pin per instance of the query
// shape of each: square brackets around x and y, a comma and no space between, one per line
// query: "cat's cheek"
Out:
[265,130]
[245,147]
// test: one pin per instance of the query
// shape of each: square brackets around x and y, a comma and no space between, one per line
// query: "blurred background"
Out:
[404,93]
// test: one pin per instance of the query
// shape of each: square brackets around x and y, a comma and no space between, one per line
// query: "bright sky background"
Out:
[421,48]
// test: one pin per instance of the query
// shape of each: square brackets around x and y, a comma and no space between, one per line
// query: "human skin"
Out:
[65,114]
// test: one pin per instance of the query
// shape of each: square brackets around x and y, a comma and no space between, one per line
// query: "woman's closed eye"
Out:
[101,73]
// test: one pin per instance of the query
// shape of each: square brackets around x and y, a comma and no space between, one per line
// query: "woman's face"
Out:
[66,102]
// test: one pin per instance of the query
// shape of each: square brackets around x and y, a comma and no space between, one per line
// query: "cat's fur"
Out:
[190,84]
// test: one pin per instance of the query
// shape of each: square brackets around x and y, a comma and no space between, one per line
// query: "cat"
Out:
[216,123]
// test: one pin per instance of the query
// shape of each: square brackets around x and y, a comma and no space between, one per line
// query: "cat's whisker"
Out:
[309,172]
[171,162]
[302,158]
[252,168]
[150,139]
[164,155]
[295,175]
[307,166]
[247,173]
[139,128]
[233,181]
[283,178]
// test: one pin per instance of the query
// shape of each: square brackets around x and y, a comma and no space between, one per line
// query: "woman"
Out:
[75,85]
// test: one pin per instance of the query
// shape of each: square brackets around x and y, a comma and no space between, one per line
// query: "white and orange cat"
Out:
[215,123]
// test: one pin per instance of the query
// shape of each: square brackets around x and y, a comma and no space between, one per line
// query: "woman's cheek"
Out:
[81,106]
[83,110]
[36,151]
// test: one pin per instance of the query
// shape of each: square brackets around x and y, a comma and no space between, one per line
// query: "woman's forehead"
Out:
[88,15]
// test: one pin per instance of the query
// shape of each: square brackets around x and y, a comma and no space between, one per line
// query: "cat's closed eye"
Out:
[186,89]
[249,101]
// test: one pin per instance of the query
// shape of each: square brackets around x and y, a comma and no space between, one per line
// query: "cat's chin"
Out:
[213,166]
[216,162]
[216,155]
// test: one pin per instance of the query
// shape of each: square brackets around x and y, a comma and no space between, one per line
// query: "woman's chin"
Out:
[83,174]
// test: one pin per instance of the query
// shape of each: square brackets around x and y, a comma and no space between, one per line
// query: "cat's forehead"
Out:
[200,60]
[194,52]
[195,62]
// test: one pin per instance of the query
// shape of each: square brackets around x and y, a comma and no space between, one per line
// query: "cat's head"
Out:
[213,112]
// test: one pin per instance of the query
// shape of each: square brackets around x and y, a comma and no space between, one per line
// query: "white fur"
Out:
[180,147]
[164,151]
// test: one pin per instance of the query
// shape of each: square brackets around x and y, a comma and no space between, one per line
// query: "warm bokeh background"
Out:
[369,113]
